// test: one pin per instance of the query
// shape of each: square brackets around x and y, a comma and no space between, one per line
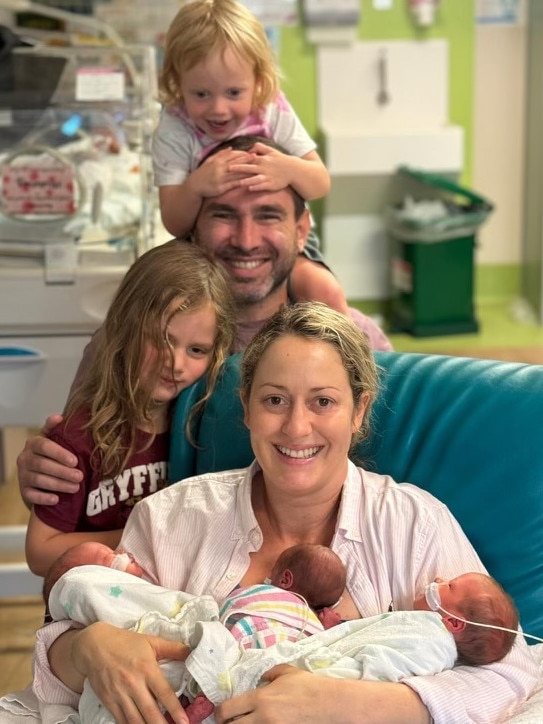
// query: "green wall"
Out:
[454,22]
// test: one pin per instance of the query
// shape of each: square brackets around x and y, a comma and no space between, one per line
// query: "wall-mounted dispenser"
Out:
[330,21]
[423,12]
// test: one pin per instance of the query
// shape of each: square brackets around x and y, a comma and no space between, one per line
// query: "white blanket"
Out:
[354,649]
[22,707]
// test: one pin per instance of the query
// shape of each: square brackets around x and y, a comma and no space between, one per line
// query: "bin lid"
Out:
[445,184]
[463,212]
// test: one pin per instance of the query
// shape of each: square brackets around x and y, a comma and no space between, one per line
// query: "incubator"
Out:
[77,205]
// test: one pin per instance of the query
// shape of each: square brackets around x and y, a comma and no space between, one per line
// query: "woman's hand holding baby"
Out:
[122,668]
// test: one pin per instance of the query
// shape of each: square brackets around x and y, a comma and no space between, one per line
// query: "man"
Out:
[256,237]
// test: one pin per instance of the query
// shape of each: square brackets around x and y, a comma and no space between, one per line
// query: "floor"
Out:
[19,618]
[507,332]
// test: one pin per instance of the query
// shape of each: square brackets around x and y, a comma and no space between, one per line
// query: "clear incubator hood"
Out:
[77,205]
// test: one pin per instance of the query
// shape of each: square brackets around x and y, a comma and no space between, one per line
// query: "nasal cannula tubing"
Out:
[433,599]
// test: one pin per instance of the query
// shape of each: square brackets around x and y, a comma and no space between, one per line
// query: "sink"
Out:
[382,104]
[385,103]
[355,151]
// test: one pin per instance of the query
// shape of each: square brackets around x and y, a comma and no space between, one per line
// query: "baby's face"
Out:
[105,557]
[452,592]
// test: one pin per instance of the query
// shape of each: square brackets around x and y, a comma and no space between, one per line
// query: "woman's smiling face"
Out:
[301,415]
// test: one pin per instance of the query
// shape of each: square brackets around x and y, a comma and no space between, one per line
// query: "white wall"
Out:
[499,137]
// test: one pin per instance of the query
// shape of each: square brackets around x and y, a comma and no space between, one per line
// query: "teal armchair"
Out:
[470,431]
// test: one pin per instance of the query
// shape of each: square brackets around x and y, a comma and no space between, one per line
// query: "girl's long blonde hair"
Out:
[113,390]
[202,27]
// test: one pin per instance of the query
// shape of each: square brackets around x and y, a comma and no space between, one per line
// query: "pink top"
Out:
[179,146]
[262,615]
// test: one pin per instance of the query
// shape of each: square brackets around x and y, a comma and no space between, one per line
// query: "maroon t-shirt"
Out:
[104,504]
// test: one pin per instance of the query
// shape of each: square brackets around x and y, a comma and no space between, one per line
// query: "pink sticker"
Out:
[37,190]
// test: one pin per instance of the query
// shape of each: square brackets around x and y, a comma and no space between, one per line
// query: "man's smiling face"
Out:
[255,237]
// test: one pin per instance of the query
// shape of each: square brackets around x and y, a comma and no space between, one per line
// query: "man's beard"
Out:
[245,295]
[247,292]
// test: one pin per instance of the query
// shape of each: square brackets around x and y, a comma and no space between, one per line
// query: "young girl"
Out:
[220,80]
[170,322]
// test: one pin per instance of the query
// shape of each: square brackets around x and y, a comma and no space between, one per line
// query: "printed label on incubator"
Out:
[99,84]
[37,190]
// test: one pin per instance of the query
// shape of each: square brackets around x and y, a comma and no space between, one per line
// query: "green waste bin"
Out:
[433,275]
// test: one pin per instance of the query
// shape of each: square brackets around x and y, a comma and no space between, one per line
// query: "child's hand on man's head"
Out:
[267,169]
[217,175]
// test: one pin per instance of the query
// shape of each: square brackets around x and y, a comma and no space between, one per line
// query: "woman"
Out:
[308,382]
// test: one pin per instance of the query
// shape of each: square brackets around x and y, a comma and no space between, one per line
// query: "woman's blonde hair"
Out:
[114,391]
[316,321]
[202,27]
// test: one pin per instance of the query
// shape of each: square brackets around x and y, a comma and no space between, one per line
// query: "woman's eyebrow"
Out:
[277,386]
